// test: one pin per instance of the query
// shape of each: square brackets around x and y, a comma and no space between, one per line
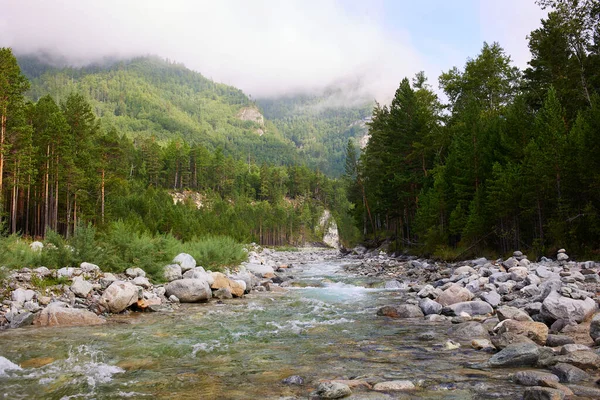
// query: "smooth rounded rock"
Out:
[189,290]
[515,355]
[536,331]
[58,314]
[394,386]
[120,295]
[185,260]
[533,377]
[568,373]
[333,390]
[507,312]
[172,272]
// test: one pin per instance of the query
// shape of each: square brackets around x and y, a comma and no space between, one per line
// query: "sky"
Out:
[272,48]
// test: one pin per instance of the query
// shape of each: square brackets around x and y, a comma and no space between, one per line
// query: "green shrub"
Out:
[214,252]
[56,253]
[15,253]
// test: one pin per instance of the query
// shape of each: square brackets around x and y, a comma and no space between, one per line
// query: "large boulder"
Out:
[568,373]
[429,306]
[172,272]
[221,281]
[534,378]
[199,273]
[468,331]
[508,312]
[189,290]
[556,307]
[504,339]
[536,331]
[120,295]
[81,287]
[516,355]
[454,294]
[58,314]
[265,271]
[584,359]
[185,260]
[333,390]
[21,296]
[469,307]
[409,311]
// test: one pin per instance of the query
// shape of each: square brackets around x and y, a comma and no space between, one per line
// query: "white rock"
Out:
[185,260]
[66,272]
[142,281]
[21,295]
[172,272]
[36,246]
[135,272]
[120,295]
[81,287]
[394,386]
[89,267]
[189,290]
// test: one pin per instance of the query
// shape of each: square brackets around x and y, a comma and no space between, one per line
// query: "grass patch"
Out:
[46,282]
[286,248]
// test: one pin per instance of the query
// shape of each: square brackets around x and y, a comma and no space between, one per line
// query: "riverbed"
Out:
[323,327]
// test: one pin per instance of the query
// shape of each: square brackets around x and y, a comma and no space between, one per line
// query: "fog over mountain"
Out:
[272,48]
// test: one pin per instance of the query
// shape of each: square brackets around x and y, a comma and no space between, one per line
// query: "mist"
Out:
[266,48]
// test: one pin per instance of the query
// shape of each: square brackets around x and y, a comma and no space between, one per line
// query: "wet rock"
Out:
[533,378]
[468,331]
[260,270]
[172,272]
[514,355]
[556,307]
[185,260]
[507,312]
[223,293]
[581,359]
[394,386]
[595,327]
[451,345]
[22,319]
[429,306]
[573,347]
[469,307]
[293,380]
[409,311]
[58,314]
[81,287]
[454,294]
[482,344]
[120,295]
[189,290]
[558,340]
[492,298]
[542,393]
[568,373]
[220,281]
[388,311]
[394,284]
[427,336]
[7,365]
[586,392]
[536,331]
[135,272]
[333,390]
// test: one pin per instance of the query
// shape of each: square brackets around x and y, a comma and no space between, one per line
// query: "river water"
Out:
[324,328]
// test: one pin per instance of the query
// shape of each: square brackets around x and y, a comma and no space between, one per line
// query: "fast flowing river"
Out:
[324,328]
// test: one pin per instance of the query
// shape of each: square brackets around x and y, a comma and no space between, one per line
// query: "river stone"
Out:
[22,319]
[595,327]
[507,312]
[465,270]
[454,294]
[120,295]
[107,279]
[518,274]
[221,281]
[556,307]
[469,307]
[22,295]
[293,380]
[581,359]
[135,272]
[468,331]
[409,311]
[57,314]
[250,279]
[536,331]
[492,298]
[558,340]
[66,272]
[516,355]
[333,390]
[573,347]
[388,311]
[393,284]
[142,281]
[185,260]
[81,287]
[393,386]
[199,273]
[260,269]
[428,291]
[542,393]
[42,271]
[482,344]
[568,373]
[533,378]
[429,306]
[172,272]
[189,290]
[223,293]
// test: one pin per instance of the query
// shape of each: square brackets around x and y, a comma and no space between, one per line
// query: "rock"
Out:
[568,373]
[581,359]
[22,295]
[469,307]
[536,331]
[558,340]
[543,272]
[89,268]
[42,271]
[189,290]
[393,284]
[586,391]
[388,311]
[507,312]
[185,260]
[504,339]
[44,300]
[428,291]
[468,331]
[492,298]
[429,306]
[573,347]
[172,272]
[556,307]
[220,281]
[464,270]
[57,314]
[120,295]
[107,279]
[333,390]
[533,378]
[454,294]
[66,272]
[518,274]
[223,293]
[562,257]
[516,355]
[542,393]
[595,327]
[237,287]
[293,380]
[142,281]
[36,246]
[428,335]
[409,311]
[173,299]
[23,319]
[482,344]
[260,270]
[394,386]
[199,273]
[81,287]
[135,272]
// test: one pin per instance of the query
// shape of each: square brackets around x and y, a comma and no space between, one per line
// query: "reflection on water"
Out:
[326,328]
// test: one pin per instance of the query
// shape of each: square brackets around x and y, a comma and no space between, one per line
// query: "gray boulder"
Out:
[568,373]
[454,294]
[107,279]
[429,306]
[185,260]
[467,331]
[504,339]
[19,320]
[333,390]
[542,393]
[409,311]
[120,295]
[172,272]
[81,287]
[516,355]
[393,284]
[492,298]
[556,307]
[142,281]
[199,273]
[58,314]
[469,307]
[507,312]
[189,290]
[135,272]
[581,359]
[534,378]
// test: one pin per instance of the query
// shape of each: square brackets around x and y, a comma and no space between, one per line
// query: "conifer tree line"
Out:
[61,167]
[510,162]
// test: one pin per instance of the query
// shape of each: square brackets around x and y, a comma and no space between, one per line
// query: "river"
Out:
[324,327]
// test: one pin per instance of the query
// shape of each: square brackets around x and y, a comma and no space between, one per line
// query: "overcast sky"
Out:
[277,47]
